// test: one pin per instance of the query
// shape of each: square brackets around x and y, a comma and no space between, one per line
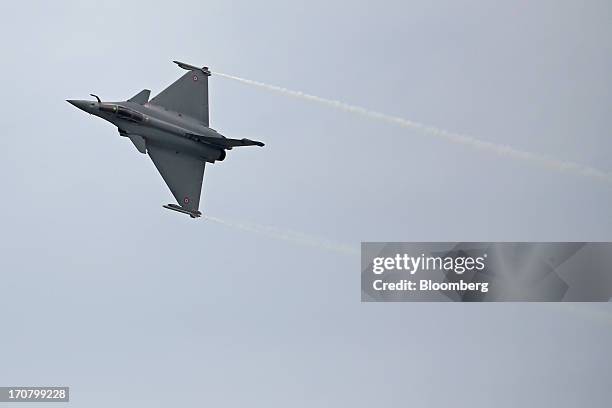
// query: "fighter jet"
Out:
[173,129]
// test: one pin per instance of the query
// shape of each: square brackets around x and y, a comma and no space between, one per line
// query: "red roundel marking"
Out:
[186,200]
[195,77]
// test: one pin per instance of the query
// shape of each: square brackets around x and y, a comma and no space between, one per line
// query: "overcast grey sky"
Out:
[135,306]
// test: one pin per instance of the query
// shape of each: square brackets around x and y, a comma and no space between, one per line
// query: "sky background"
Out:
[132,305]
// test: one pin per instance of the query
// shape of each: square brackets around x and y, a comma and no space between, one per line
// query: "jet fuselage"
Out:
[173,130]
[157,125]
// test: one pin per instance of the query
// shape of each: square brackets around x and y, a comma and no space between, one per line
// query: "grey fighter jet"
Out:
[173,129]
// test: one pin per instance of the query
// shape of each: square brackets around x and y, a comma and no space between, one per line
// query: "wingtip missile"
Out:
[190,67]
[174,207]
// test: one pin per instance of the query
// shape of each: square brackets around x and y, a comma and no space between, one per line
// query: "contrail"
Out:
[289,236]
[319,243]
[499,149]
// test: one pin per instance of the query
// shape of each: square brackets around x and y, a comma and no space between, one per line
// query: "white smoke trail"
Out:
[289,236]
[299,238]
[502,150]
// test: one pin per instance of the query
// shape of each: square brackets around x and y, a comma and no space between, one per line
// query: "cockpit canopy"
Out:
[122,112]
[108,108]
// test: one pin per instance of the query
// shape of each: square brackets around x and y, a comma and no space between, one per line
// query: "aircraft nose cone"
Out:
[79,104]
